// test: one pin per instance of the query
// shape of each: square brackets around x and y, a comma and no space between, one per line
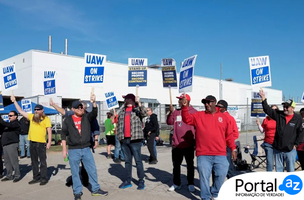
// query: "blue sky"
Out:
[216,30]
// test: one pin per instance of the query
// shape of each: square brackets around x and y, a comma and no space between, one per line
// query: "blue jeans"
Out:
[269,155]
[155,152]
[23,140]
[231,169]
[118,150]
[133,149]
[75,155]
[288,157]
[205,164]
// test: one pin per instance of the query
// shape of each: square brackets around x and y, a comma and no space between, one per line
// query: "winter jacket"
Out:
[71,134]
[183,134]
[286,135]
[10,131]
[151,125]
[137,114]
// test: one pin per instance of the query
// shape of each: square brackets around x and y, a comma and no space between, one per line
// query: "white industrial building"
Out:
[69,75]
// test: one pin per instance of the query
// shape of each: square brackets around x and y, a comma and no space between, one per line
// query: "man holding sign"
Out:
[39,125]
[288,135]
[76,133]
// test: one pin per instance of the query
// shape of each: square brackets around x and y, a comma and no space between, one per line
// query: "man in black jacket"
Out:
[76,133]
[288,135]
[151,131]
[10,141]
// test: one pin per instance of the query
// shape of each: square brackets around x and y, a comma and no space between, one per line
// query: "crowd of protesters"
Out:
[209,135]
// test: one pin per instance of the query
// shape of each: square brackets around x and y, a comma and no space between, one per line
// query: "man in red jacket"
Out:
[222,105]
[213,134]
[183,142]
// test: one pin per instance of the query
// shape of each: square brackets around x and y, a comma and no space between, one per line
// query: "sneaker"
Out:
[191,188]
[7,179]
[153,162]
[125,185]
[43,182]
[33,181]
[16,180]
[214,198]
[22,157]
[117,160]
[77,196]
[28,156]
[100,192]
[1,175]
[174,187]
[141,185]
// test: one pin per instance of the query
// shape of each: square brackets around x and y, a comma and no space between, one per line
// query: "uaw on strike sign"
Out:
[260,71]
[10,77]
[94,68]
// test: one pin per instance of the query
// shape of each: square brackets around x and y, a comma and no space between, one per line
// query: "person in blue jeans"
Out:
[24,125]
[76,133]
[289,133]
[130,134]
[269,128]
[118,153]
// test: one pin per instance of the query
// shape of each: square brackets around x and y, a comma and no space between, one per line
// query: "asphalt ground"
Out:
[158,178]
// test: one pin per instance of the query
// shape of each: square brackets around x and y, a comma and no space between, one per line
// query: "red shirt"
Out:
[213,132]
[77,122]
[288,118]
[234,127]
[269,126]
[128,121]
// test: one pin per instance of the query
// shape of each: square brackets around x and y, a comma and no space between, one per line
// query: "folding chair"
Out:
[258,156]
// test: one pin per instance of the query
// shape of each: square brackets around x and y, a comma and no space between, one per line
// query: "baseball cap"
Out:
[186,95]
[76,104]
[223,102]
[208,98]
[129,96]
[38,106]
[289,102]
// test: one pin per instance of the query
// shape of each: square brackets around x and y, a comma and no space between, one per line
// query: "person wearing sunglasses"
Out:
[76,133]
[94,138]
[10,141]
[213,134]
[40,124]
[288,134]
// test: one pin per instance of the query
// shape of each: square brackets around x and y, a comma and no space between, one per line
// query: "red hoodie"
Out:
[234,127]
[213,132]
[184,135]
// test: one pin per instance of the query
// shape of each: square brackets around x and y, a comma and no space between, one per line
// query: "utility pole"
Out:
[221,82]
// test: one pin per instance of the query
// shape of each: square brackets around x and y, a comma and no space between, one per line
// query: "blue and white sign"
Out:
[26,105]
[94,69]
[302,99]
[5,118]
[111,100]
[138,72]
[49,82]
[10,77]
[186,74]
[169,72]
[260,71]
